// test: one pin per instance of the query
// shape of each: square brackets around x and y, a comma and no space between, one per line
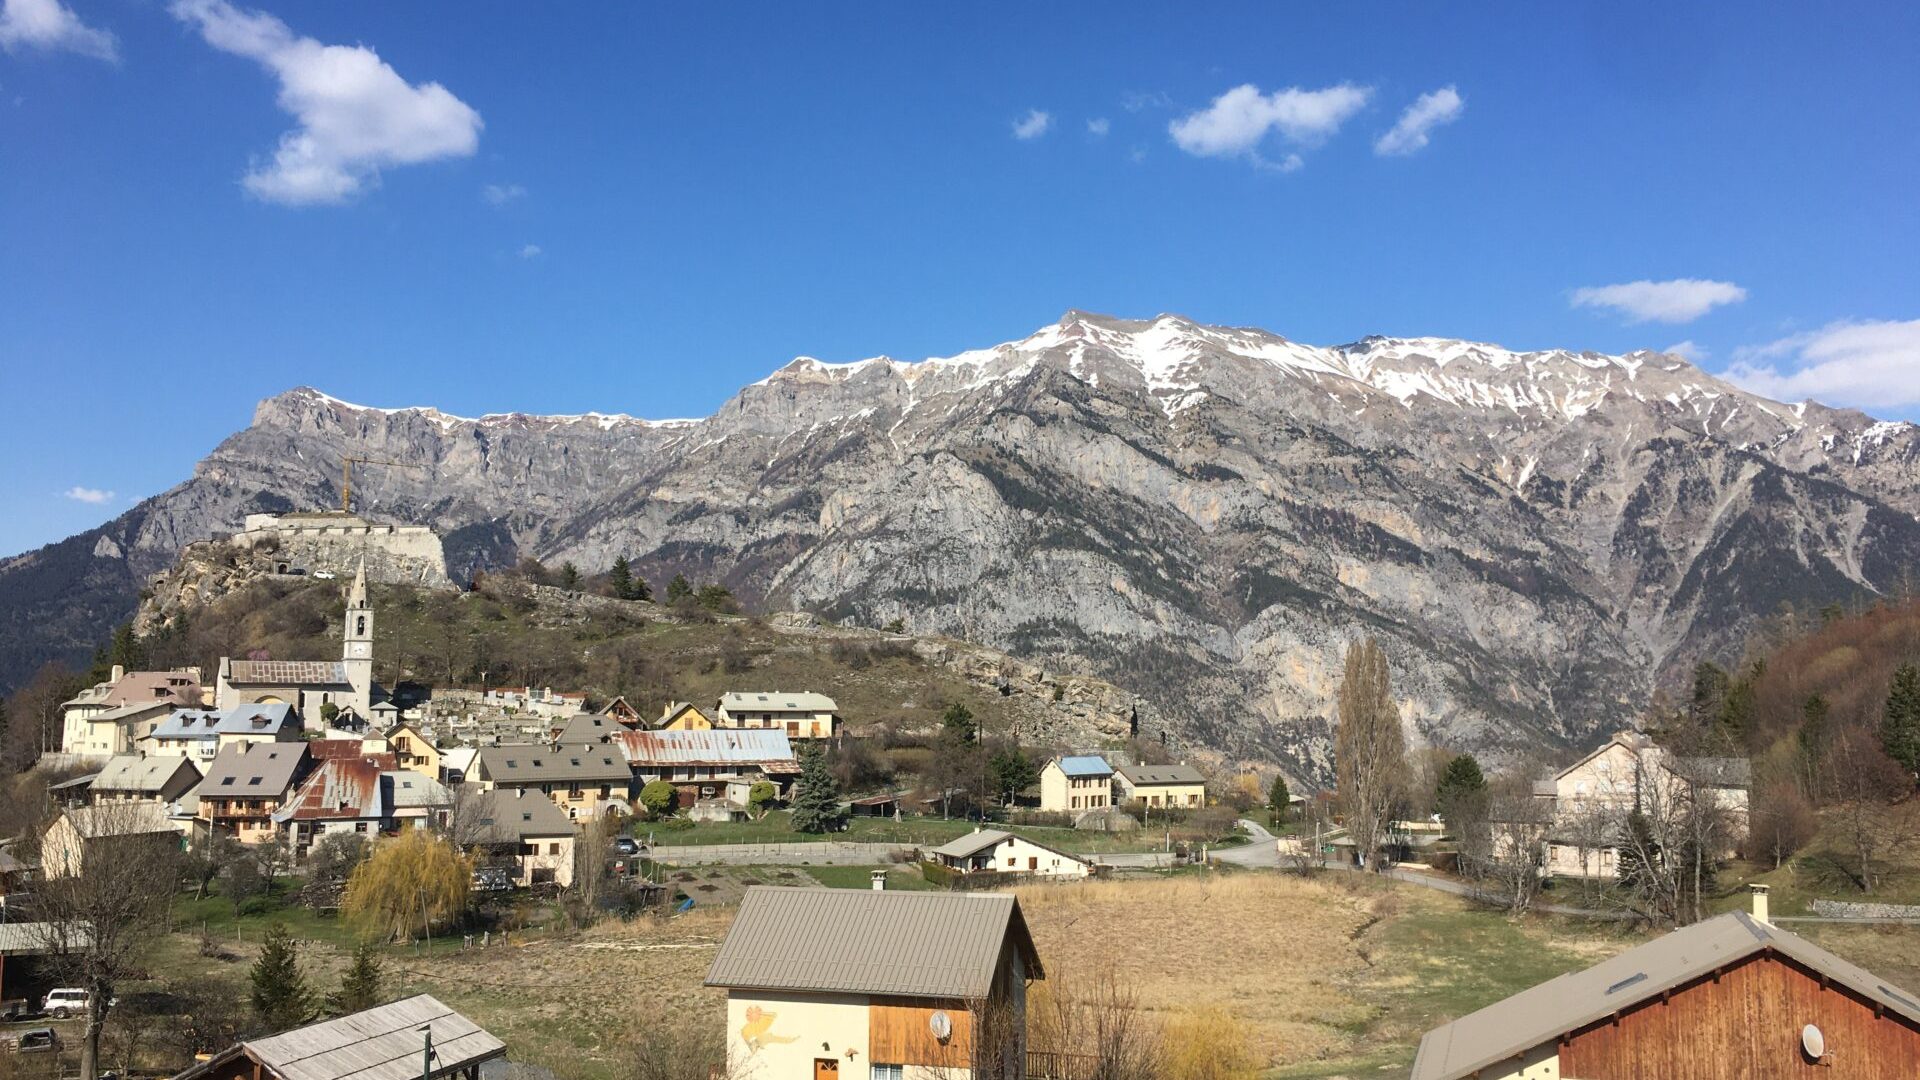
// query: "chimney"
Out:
[1760,913]
[879,880]
[119,672]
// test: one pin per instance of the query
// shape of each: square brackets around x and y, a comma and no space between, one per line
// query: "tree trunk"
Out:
[90,1042]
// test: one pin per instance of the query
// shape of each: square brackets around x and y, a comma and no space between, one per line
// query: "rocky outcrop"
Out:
[1201,516]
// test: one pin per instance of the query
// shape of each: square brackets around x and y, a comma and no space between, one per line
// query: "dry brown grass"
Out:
[1277,953]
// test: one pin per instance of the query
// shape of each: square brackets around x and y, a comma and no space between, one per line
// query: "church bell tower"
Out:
[356,652]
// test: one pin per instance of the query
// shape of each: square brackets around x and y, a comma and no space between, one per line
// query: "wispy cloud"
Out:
[1033,125]
[49,24]
[1411,133]
[1140,100]
[1099,126]
[531,251]
[1678,301]
[1689,350]
[1873,364]
[356,114]
[502,194]
[93,496]
[1239,120]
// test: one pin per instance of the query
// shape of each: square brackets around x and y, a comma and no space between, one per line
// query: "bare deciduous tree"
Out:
[1504,855]
[1369,750]
[1091,1028]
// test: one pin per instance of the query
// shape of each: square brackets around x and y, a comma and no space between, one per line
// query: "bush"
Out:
[1208,1044]
[658,798]
[1041,819]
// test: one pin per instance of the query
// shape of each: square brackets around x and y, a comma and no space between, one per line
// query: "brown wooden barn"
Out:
[1732,996]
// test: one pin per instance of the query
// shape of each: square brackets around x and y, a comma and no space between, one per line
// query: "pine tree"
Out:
[958,721]
[816,795]
[620,578]
[1013,771]
[1462,790]
[679,589]
[280,996]
[1900,727]
[1279,798]
[569,575]
[360,986]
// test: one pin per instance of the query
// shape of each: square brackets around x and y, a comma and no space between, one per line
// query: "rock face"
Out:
[1203,516]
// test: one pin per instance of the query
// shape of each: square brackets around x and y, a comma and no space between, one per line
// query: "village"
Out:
[863,931]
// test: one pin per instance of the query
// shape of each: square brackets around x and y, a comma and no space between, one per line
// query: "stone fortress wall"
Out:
[336,542]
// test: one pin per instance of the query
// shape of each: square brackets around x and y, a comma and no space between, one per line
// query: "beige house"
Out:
[200,734]
[520,830]
[1590,799]
[1076,783]
[801,715]
[994,851]
[826,984]
[413,751]
[86,833]
[115,731]
[1157,786]
[583,780]
[107,717]
[246,784]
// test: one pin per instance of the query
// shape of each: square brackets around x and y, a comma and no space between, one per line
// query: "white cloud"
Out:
[48,24]
[531,251]
[1678,301]
[1033,125]
[502,194]
[1099,126]
[1429,111]
[1238,120]
[1136,100]
[1866,364]
[94,496]
[356,114]
[1688,350]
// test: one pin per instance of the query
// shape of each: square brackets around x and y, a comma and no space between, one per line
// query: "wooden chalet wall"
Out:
[1746,1023]
[899,1032]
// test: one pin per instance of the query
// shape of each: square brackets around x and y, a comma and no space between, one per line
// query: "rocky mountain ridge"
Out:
[1202,515]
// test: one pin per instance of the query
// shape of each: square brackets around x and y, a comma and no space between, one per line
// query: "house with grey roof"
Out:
[843,982]
[246,783]
[107,717]
[415,1038]
[999,852]
[518,830]
[158,778]
[200,733]
[801,714]
[110,831]
[1155,786]
[583,779]
[1730,997]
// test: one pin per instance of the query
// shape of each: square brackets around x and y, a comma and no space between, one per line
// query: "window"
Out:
[553,848]
[888,1072]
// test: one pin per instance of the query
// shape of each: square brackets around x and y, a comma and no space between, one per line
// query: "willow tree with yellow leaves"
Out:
[414,880]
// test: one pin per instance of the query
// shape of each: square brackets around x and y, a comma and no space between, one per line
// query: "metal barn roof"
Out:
[381,1043]
[765,747]
[1572,1001]
[940,945]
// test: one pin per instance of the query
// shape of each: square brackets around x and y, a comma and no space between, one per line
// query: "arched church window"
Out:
[360,627]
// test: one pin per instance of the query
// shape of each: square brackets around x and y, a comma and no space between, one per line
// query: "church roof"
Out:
[288,672]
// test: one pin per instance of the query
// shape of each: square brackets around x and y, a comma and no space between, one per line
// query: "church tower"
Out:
[356,652]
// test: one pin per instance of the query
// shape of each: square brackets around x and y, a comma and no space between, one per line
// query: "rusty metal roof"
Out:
[764,747]
[341,789]
[857,941]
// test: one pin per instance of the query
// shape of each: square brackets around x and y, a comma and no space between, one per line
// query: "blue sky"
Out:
[627,208]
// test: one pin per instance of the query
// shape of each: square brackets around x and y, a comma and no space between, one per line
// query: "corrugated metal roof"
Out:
[1085,765]
[1572,1001]
[766,747]
[1138,775]
[341,789]
[19,938]
[131,818]
[288,672]
[139,773]
[538,763]
[857,941]
[382,1043]
[776,701]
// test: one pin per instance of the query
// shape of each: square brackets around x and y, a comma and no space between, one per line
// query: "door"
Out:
[826,1069]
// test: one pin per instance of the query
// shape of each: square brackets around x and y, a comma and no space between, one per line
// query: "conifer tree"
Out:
[569,575]
[959,722]
[360,986]
[1279,798]
[1900,727]
[620,578]
[816,795]
[679,589]
[280,996]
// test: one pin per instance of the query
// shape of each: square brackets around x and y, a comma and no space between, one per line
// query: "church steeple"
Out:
[357,594]
[356,639]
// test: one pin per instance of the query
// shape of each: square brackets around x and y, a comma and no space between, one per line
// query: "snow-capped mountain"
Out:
[1203,514]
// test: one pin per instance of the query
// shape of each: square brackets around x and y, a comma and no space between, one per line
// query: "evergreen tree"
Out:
[1462,790]
[715,597]
[1900,727]
[679,589]
[1012,771]
[360,986]
[620,578]
[280,996]
[958,722]
[1279,798]
[569,575]
[816,795]
[127,649]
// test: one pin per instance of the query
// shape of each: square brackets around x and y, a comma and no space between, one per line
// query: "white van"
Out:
[66,1001]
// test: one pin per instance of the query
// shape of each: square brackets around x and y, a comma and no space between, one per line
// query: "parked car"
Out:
[35,1041]
[66,1001]
[492,879]
[626,845]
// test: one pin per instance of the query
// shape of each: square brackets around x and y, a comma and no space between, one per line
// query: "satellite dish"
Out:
[1814,1043]
[942,1025]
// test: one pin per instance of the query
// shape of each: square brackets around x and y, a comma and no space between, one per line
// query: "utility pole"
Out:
[426,1052]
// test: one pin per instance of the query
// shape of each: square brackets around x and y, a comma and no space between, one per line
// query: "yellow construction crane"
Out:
[346,477]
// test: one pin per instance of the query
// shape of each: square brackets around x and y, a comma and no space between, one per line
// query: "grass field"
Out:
[924,831]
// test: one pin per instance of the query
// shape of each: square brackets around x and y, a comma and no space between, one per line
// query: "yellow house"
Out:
[1076,783]
[837,984]
[1156,786]
[684,716]
[802,715]
[414,751]
[585,781]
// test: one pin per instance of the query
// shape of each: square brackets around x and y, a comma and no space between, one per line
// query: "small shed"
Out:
[382,1043]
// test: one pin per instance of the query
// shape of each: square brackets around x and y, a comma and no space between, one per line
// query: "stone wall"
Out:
[395,554]
[1847,909]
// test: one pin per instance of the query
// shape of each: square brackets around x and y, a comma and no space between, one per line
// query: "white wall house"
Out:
[1076,783]
[991,850]
[801,715]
